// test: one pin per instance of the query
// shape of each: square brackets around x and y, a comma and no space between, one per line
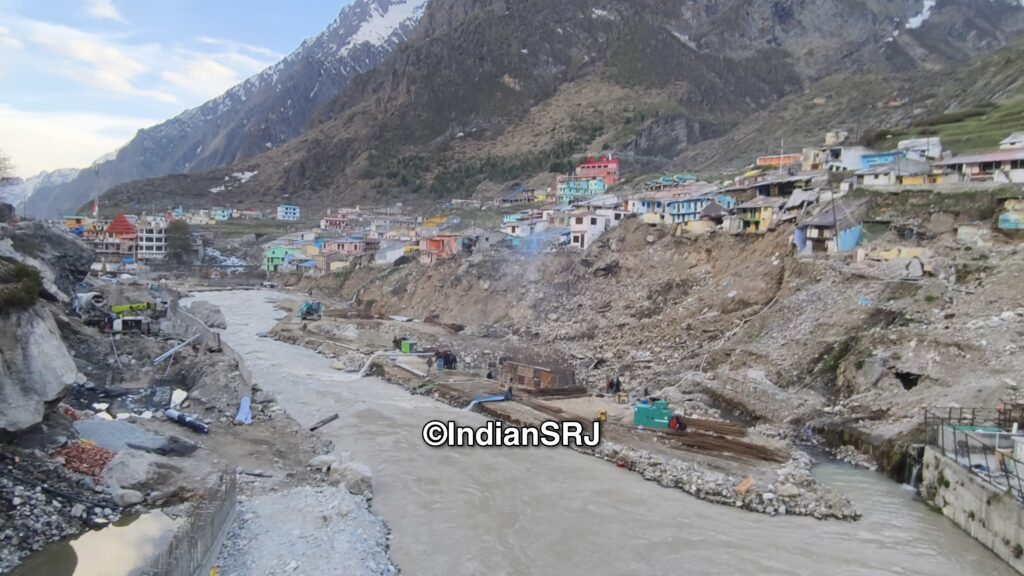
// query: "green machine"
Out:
[408,346]
[657,416]
[310,310]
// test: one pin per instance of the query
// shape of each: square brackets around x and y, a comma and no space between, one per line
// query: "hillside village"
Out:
[766,254]
[814,190]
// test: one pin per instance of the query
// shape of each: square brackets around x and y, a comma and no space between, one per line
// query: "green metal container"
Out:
[408,346]
[654,416]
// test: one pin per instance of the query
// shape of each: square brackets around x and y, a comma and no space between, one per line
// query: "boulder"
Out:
[356,477]
[324,462]
[126,498]
[141,471]
[61,259]
[35,366]
[208,314]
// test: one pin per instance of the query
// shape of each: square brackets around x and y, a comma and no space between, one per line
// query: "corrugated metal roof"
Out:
[764,202]
[999,156]
[848,214]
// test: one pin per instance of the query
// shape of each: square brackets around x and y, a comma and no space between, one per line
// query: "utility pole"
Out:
[835,221]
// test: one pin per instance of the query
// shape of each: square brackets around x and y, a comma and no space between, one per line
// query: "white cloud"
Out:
[8,41]
[94,60]
[206,75]
[102,84]
[105,10]
[38,141]
[243,47]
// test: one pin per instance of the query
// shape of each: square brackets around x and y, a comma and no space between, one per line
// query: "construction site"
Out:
[731,378]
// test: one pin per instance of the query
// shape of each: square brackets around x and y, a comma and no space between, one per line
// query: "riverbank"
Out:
[750,472]
[472,511]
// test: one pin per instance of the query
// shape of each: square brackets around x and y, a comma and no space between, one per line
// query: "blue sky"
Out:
[78,78]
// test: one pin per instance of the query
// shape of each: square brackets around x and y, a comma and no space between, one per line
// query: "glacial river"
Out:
[554,511]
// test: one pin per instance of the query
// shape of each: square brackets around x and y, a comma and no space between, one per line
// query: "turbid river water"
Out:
[554,511]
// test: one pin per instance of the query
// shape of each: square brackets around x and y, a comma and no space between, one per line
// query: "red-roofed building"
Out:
[116,246]
[120,227]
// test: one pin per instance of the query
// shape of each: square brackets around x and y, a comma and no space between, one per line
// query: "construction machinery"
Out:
[657,416]
[123,309]
[137,324]
[311,310]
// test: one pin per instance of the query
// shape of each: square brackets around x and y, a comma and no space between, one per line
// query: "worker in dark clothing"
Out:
[508,393]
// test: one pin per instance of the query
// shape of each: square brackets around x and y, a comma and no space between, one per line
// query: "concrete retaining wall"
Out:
[183,324]
[989,515]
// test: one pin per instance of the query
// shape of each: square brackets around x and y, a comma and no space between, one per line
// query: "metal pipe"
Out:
[171,352]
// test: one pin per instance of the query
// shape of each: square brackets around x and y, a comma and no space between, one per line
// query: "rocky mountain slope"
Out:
[261,113]
[487,91]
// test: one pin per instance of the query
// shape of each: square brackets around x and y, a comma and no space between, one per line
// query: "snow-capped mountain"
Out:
[261,113]
[18,192]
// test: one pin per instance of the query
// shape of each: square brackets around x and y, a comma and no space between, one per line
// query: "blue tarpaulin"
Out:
[244,415]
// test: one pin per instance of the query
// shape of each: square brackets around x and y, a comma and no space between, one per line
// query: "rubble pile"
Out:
[794,493]
[744,323]
[40,503]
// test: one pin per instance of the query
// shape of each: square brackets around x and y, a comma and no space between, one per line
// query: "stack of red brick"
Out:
[85,458]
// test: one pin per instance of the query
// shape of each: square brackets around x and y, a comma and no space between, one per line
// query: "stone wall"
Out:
[990,516]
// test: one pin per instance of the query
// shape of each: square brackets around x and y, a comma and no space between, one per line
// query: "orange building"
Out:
[606,169]
[779,160]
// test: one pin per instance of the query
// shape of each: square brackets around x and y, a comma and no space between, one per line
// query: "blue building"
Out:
[288,212]
[686,209]
[571,188]
[839,230]
[880,158]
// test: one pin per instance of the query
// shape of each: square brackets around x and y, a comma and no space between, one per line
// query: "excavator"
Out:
[311,310]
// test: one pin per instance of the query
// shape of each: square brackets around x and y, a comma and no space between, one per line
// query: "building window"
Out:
[593,221]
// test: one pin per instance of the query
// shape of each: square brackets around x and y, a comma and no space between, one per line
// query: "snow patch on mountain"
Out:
[20,191]
[926,11]
[382,23]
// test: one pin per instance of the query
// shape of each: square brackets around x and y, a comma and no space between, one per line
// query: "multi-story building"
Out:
[337,222]
[221,214]
[606,169]
[585,227]
[571,188]
[152,240]
[288,213]
[115,246]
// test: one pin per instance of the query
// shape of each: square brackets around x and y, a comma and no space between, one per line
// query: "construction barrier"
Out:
[193,543]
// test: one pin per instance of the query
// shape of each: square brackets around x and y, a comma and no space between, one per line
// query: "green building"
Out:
[274,257]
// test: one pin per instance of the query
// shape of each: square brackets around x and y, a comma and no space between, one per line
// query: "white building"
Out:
[525,228]
[152,243]
[586,227]
[921,148]
[288,213]
[1014,141]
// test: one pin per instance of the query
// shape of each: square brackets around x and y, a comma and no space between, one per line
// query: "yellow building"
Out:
[83,223]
